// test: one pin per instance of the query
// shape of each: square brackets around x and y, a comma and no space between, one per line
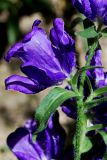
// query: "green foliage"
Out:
[88,33]
[104,136]
[95,127]
[100,92]
[95,102]
[89,84]
[49,105]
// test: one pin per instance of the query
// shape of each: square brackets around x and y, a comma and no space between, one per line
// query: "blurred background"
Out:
[16,18]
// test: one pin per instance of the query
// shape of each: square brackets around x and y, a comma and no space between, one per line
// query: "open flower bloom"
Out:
[92,9]
[44,62]
[49,144]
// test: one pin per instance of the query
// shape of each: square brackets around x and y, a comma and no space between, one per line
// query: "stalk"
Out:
[81,123]
[80,130]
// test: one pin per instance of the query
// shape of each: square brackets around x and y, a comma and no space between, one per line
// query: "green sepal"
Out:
[34,137]
[49,105]
[88,33]
[87,145]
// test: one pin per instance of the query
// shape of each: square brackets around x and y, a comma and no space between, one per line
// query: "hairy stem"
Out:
[81,125]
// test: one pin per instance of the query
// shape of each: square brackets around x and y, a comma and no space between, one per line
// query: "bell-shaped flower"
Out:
[44,63]
[49,144]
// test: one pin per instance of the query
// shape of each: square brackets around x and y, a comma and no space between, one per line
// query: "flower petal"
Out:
[39,50]
[98,73]
[58,136]
[21,145]
[63,46]
[45,78]
[22,84]
[14,51]
[31,125]
[44,140]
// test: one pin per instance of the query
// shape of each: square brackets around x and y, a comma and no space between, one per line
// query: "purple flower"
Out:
[97,75]
[48,145]
[92,9]
[44,62]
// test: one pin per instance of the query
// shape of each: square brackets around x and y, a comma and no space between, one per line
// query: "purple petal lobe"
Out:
[63,45]
[14,51]
[45,78]
[98,73]
[36,23]
[22,84]
[21,145]
[31,125]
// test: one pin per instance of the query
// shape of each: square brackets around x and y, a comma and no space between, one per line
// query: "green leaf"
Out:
[95,127]
[89,68]
[87,145]
[74,80]
[88,33]
[49,104]
[100,91]
[104,136]
[104,32]
[96,102]
[89,84]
